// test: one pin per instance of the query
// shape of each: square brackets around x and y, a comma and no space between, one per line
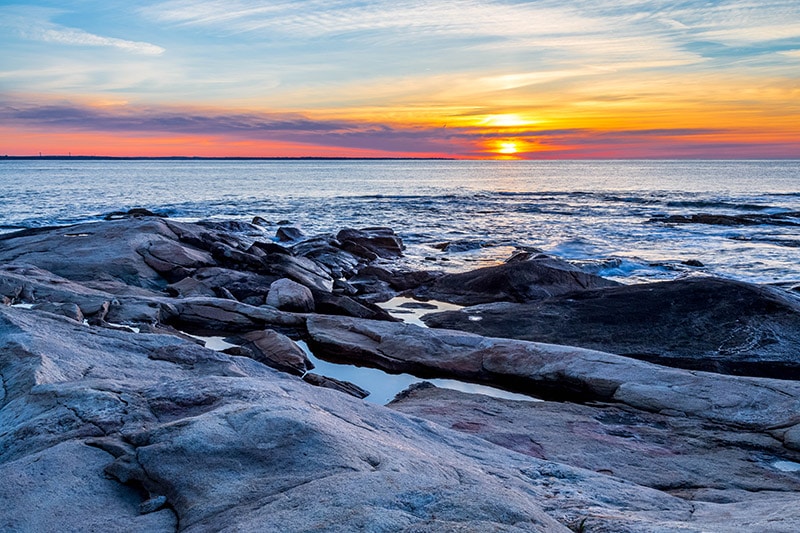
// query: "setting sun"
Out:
[507,148]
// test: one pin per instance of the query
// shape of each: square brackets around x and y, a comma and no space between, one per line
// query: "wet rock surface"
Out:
[119,420]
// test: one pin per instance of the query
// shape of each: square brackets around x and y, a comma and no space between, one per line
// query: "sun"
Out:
[507,148]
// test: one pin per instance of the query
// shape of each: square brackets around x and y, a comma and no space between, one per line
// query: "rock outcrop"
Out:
[122,423]
[701,323]
[288,295]
[684,456]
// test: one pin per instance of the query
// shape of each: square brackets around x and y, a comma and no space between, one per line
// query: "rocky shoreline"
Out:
[671,406]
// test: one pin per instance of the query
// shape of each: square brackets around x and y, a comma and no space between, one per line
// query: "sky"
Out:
[508,79]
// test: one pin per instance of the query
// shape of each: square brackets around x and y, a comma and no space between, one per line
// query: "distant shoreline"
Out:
[203,158]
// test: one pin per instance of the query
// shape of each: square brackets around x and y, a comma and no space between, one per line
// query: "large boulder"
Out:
[702,323]
[519,281]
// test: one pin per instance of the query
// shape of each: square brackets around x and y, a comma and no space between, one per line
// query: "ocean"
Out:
[605,216]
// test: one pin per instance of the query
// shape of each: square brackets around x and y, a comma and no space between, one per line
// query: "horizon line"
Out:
[364,158]
[198,157]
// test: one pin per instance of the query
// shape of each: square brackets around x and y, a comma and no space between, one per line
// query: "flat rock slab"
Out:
[688,457]
[561,372]
[706,323]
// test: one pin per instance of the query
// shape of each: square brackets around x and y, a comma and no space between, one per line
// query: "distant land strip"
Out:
[202,158]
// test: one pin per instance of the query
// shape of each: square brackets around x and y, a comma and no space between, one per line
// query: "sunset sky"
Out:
[396,78]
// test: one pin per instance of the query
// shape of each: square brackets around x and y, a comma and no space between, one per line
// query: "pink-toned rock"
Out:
[278,351]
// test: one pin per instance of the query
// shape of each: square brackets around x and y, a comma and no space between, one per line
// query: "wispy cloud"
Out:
[77,37]
[35,25]
[315,18]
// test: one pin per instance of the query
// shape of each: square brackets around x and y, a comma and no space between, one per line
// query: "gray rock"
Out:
[134,251]
[791,437]
[288,295]
[188,287]
[371,243]
[136,212]
[559,372]
[242,285]
[106,424]
[133,311]
[747,219]
[210,316]
[231,444]
[300,269]
[703,323]
[288,234]
[63,488]
[243,449]
[327,251]
[336,304]
[32,285]
[521,281]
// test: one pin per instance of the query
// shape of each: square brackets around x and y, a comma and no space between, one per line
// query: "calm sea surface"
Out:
[594,213]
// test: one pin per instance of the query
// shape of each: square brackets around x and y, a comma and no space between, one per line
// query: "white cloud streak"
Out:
[77,37]
[34,25]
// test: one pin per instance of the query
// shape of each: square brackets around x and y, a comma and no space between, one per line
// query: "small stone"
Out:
[692,263]
[152,505]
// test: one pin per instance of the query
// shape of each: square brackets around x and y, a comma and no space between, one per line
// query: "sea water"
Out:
[596,214]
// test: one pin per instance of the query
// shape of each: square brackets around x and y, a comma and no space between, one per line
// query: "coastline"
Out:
[100,377]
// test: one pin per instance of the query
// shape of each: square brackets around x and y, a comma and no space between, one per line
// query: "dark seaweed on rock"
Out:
[749,219]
